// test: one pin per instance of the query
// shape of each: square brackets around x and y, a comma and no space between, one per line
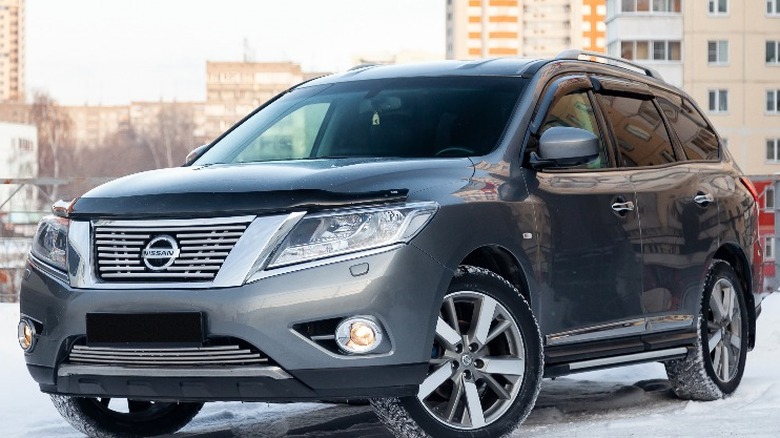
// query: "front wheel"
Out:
[106,417]
[716,368]
[485,367]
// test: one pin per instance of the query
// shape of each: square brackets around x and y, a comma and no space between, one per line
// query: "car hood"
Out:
[219,190]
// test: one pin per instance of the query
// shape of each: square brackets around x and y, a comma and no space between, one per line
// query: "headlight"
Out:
[51,241]
[340,232]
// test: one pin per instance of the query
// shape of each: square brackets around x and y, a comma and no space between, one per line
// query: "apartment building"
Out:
[724,53]
[649,32]
[19,149]
[12,47]
[234,89]
[529,28]
[731,68]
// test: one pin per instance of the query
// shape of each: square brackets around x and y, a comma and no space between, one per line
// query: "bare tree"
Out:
[169,136]
[55,140]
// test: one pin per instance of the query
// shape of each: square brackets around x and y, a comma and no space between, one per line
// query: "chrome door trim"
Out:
[618,329]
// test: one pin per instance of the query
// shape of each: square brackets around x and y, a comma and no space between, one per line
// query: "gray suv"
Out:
[435,238]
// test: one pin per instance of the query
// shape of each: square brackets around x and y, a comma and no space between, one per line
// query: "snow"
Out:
[633,401]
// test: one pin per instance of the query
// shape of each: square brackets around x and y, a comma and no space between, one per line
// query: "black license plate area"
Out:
[151,329]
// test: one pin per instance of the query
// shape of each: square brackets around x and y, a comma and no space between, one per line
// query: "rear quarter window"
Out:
[697,138]
[639,130]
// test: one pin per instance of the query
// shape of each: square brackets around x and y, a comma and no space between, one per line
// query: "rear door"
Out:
[676,206]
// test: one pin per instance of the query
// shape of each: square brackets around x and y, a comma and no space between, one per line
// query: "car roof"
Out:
[482,67]
[523,67]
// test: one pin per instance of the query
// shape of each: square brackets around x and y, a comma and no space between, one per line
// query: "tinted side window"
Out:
[697,138]
[575,110]
[641,135]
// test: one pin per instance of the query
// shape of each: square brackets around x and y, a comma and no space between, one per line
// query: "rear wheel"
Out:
[485,367]
[716,368]
[106,417]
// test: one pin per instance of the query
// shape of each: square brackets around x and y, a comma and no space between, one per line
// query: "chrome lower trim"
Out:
[636,326]
[273,372]
[204,356]
[638,357]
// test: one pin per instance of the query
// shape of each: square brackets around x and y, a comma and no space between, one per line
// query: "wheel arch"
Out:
[735,256]
[501,261]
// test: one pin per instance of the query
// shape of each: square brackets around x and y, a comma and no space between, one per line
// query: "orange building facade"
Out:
[530,28]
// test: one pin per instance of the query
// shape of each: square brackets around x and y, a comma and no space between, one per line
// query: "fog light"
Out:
[358,334]
[26,333]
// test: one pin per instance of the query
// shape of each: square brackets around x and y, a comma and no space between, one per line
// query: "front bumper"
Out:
[401,288]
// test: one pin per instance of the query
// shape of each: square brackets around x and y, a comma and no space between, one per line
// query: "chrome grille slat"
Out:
[169,275]
[214,348]
[152,229]
[122,268]
[123,260]
[204,254]
[203,247]
[219,355]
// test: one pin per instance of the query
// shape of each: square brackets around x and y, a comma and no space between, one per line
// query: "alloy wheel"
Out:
[477,362]
[724,330]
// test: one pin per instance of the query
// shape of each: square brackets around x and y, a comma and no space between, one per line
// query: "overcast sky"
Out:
[117,51]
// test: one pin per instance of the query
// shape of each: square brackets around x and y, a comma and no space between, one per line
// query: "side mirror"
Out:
[195,154]
[563,146]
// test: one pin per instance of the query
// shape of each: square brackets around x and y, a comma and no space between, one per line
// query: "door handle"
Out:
[703,198]
[623,207]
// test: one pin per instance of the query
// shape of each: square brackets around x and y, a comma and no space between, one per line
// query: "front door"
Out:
[590,247]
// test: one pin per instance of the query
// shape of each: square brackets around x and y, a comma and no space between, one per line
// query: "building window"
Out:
[773,150]
[769,248]
[666,6]
[718,52]
[635,5]
[719,101]
[769,198]
[719,7]
[773,101]
[651,50]
[773,52]
[654,6]
[773,7]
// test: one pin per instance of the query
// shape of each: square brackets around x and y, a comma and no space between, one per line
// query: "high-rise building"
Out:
[12,43]
[530,28]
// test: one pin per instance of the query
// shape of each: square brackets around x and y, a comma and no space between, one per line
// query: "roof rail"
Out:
[362,66]
[582,55]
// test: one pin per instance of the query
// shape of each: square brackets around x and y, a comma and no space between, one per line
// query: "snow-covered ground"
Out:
[622,402]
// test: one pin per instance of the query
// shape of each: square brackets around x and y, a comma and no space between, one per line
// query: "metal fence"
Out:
[17,226]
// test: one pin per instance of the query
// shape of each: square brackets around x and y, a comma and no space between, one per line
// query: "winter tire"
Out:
[98,417]
[485,367]
[716,368]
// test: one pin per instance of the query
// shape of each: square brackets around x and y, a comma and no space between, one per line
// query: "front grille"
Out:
[203,248]
[213,355]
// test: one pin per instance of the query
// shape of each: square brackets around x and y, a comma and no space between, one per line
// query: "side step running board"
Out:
[606,362]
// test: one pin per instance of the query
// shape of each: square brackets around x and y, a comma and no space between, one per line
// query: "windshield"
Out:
[404,117]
